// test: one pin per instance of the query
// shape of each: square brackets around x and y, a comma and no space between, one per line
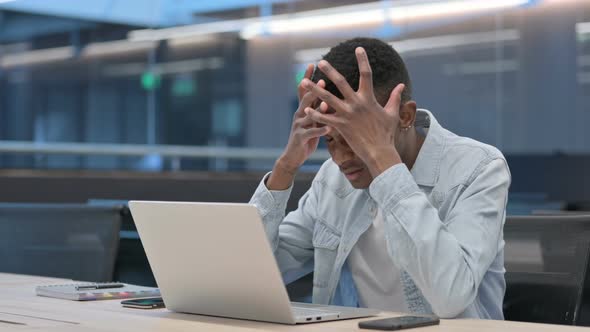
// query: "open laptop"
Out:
[214,259]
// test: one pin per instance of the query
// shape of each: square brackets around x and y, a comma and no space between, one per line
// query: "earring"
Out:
[406,128]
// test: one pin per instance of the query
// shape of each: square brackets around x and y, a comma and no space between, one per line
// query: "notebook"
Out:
[86,291]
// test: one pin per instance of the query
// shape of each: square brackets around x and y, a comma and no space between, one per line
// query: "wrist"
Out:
[282,176]
[285,165]
[382,158]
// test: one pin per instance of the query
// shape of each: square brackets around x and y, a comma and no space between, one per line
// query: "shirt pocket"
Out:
[324,237]
[325,242]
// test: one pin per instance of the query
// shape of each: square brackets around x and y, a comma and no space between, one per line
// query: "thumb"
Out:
[308,73]
[395,99]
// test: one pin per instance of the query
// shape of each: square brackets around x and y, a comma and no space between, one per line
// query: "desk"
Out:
[18,303]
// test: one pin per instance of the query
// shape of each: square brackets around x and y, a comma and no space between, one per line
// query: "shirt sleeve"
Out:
[446,259]
[270,201]
[291,236]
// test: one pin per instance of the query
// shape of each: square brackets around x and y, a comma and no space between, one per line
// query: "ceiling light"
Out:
[35,57]
[343,16]
[116,48]
[419,45]
[372,13]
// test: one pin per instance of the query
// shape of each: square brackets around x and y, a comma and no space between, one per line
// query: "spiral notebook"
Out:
[85,291]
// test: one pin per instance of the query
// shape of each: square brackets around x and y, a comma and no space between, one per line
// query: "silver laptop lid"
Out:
[212,259]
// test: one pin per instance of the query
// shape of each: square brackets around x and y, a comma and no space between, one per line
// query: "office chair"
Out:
[73,241]
[546,260]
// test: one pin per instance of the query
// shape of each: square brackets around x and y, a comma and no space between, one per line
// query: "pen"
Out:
[100,286]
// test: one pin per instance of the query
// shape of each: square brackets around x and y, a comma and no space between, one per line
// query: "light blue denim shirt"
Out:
[443,226]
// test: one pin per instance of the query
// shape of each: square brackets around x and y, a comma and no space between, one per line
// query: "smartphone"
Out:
[399,323]
[147,303]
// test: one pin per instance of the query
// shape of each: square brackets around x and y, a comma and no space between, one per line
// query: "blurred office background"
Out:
[512,73]
[102,101]
[178,85]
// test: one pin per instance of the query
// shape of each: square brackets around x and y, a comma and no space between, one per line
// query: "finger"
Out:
[307,100]
[395,99]
[307,122]
[336,78]
[324,107]
[321,84]
[324,95]
[315,132]
[365,72]
[308,73]
[325,119]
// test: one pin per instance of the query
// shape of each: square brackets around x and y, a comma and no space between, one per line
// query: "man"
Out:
[406,216]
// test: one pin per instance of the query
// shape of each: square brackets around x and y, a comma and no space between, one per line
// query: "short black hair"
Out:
[387,66]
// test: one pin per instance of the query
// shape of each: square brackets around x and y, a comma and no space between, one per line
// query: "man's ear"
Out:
[407,114]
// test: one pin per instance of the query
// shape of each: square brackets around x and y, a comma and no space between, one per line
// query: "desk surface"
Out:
[19,304]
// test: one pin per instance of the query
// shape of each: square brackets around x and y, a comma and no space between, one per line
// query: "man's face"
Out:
[355,170]
[349,163]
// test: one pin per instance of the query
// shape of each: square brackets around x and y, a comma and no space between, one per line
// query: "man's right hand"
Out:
[303,140]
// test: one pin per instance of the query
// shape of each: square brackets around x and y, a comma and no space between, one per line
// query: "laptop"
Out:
[214,259]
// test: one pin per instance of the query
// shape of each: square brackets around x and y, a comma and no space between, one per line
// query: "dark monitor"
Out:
[73,241]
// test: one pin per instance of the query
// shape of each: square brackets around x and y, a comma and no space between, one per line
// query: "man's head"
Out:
[388,70]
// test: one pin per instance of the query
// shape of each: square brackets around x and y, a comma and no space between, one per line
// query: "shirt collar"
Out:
[426,168]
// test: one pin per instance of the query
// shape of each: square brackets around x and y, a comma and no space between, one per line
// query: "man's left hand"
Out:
[368,128]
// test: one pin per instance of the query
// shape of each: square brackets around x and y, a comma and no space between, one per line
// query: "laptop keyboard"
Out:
[306,312]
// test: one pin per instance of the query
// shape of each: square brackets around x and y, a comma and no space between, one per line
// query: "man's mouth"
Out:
[353,175]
